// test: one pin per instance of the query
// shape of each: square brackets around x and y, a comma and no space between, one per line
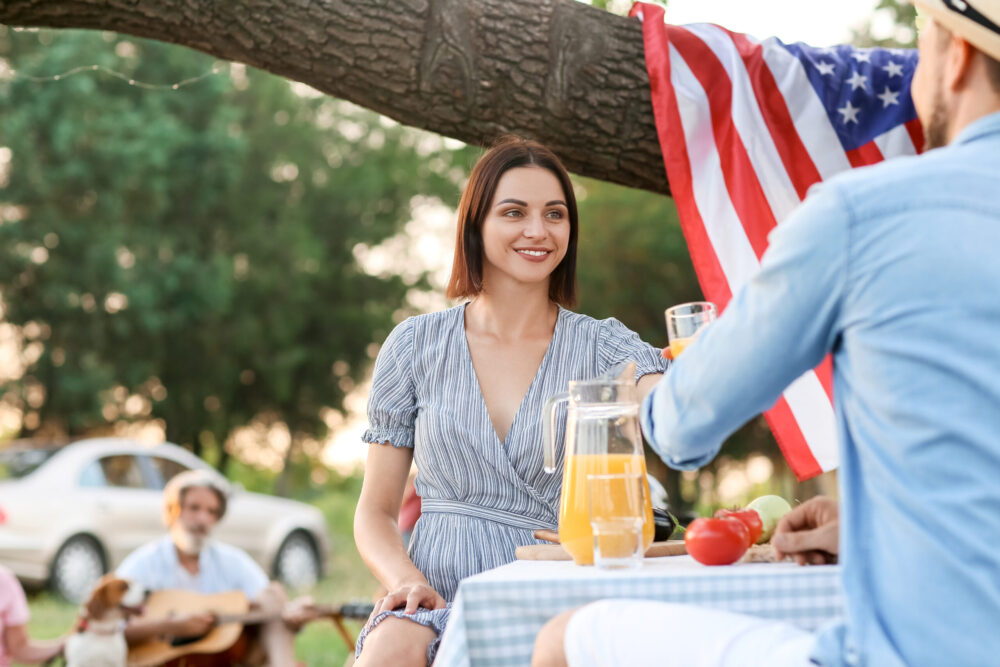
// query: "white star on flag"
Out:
[850,113]
[894,69]
[857,80]
[825,68]
[888,97]
[862,56]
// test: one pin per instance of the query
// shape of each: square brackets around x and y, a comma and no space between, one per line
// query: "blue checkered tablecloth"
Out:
[497,614]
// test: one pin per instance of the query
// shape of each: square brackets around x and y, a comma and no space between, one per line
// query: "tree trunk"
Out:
[564,73]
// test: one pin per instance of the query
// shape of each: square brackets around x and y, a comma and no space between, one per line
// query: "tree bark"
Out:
[564,73]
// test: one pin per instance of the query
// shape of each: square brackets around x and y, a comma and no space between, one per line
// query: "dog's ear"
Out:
[99,602]
[117,588]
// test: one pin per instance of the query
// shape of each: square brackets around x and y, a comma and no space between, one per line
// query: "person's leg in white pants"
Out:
[613,633]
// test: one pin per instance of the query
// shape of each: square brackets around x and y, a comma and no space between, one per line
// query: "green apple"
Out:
[770,509]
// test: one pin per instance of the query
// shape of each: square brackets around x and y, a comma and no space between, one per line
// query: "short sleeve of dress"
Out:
[392,407]
[617,343]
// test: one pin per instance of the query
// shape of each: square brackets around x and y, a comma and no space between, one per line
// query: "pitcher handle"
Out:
[549,429]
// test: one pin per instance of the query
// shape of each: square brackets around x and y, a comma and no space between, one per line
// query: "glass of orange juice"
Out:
[685,321]
[617,507]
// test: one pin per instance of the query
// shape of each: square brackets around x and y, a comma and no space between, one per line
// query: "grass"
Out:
[346,579]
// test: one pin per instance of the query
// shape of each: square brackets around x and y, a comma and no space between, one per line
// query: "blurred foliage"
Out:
[903,16]
[193,248]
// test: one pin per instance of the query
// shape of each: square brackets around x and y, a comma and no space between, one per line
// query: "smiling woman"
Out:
[536,230]
[497,182]
[460,393]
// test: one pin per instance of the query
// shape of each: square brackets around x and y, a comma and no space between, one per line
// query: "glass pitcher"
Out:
[602,437]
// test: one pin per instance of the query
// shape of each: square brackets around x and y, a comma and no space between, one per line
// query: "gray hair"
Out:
[173,492]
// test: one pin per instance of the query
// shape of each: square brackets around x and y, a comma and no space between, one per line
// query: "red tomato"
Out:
[716,541]
[749,518]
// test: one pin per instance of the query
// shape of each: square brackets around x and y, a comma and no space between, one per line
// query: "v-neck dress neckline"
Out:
[539,372]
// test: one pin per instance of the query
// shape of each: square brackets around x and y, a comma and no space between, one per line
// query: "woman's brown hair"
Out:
[508,153]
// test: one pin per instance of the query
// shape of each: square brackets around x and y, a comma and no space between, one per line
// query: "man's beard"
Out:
[936,131]
[187,541]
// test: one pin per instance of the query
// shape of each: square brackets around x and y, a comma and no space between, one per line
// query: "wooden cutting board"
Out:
[556,552]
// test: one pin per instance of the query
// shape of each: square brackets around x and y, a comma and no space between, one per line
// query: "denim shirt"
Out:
[895,270]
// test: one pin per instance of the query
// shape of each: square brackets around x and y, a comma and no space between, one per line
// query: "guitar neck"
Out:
[249,618]
[254,617]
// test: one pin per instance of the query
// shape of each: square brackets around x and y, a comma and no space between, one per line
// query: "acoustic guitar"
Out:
[227,641]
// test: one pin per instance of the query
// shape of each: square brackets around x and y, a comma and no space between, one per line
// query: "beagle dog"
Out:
[99,640]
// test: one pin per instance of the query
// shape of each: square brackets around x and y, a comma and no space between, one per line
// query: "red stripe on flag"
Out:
[678,165]
[863,156]
[791,441]
[794,155]
[916,131]
[741,179]
[824,372]
[676,160]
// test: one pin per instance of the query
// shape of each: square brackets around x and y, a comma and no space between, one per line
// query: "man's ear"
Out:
[116,590]
[171,513]
[959,64]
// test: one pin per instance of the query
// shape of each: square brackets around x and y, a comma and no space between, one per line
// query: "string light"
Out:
[11,74]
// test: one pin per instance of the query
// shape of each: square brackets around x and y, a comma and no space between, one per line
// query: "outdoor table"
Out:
[497,614]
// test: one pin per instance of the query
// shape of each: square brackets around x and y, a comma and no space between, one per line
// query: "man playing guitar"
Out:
[185,559]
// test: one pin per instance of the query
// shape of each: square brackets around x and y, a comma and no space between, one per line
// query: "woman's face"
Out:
[526,231]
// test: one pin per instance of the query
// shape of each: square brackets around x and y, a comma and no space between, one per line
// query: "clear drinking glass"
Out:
[617,509]
[685,321]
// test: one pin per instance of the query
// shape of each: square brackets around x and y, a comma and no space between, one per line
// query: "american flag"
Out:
[746,127]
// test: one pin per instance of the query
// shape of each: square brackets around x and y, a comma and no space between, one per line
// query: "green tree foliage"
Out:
[632,259]
[192,247]
[902,18]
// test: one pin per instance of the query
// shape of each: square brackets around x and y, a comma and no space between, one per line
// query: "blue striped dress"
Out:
[480,498]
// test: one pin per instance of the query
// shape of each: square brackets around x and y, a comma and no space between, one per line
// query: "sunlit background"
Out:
[201,252]
[419,253]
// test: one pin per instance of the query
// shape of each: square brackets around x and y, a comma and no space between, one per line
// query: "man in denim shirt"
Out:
[893,269]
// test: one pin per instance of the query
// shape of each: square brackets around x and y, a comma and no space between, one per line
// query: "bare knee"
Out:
[549,650]
[396,641]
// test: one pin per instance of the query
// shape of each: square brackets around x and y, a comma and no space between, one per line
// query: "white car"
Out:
[70,514]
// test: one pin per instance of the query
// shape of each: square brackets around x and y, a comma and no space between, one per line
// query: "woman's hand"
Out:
[410,596]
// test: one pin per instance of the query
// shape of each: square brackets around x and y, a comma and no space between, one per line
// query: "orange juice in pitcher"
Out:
[574,516]
[602,437]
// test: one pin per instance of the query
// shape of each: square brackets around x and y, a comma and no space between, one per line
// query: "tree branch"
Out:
[564,73]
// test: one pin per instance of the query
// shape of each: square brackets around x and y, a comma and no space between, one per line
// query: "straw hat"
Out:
[977,21]
[174,491]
